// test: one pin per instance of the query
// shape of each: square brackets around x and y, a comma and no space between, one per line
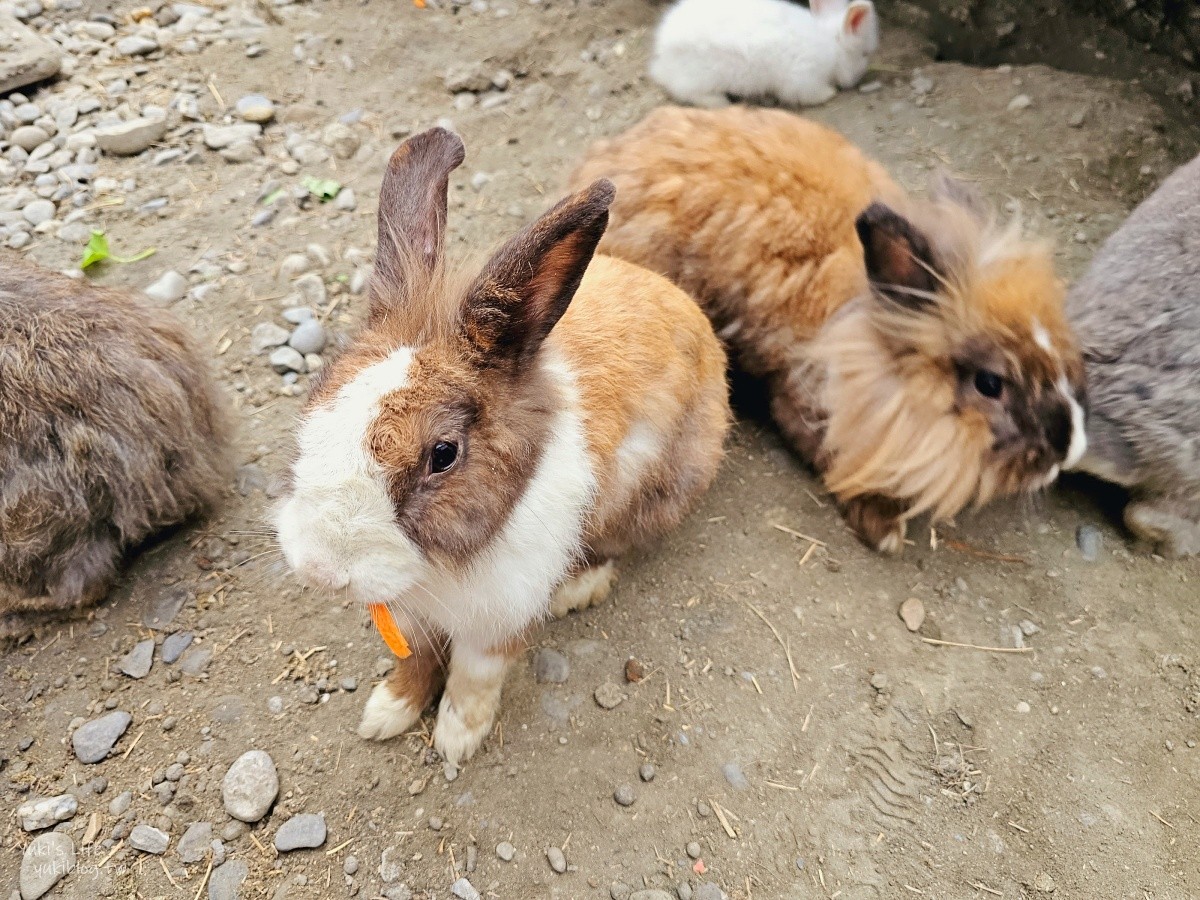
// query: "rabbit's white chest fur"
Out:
[509,586]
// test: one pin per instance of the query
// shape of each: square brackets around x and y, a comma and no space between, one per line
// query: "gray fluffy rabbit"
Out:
[110,430]
[1137,316]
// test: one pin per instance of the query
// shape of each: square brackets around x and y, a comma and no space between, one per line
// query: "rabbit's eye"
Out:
[444,455]
[989,383]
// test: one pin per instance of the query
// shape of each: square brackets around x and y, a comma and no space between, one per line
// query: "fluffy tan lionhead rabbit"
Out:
[915,353]
[485,447]
[111,430]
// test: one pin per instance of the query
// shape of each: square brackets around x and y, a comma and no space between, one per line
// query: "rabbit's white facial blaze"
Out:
[1077,448]
[338,528]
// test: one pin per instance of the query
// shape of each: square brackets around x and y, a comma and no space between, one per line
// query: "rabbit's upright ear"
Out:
[899,260]
[860,15]
[412,214]
[826,7]
[526,287]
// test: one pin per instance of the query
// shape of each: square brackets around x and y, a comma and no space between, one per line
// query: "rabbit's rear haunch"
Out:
[485,447]
[1137,314]
[110,431]
[915,353]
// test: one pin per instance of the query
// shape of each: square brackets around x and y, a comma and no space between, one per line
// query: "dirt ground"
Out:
[884,767]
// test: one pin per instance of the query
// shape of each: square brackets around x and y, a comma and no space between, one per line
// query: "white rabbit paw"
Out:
[456,736]
[386,715]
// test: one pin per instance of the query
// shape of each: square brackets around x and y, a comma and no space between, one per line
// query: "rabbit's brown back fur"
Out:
[868,357]
[112,430]
[789,189]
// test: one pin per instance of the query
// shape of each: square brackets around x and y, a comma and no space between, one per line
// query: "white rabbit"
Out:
[706,50]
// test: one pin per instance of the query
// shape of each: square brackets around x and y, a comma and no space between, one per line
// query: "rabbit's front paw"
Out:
[386,715]
[586,588]
[878,521]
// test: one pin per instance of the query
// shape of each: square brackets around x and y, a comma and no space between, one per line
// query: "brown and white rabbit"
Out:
[484,448]
[915,353]
[111,429]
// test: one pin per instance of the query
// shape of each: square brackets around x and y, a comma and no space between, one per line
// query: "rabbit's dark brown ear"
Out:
[526,287]
[900,263]
[412,211]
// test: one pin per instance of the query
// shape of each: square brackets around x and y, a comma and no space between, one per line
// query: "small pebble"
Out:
[137,662]
[302,832]
[646,772]
[255,108]
[350,866]
[609,696]
[464,890]
[734,775]
[557,861]
[1089,540]
[694,850]
[506,851]
[250,786]
[624,795]
[35,815]
[93,740]
[309,337]
[634,670]
[912,612]
[170,287]
[149,840]
[1020,102]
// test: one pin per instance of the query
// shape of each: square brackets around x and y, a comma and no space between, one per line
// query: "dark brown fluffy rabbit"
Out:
[110,430]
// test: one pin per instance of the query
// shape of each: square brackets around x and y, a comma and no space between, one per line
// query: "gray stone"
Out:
[350,866]
[250,786]
[120,804]
[193,846]
[312,289]
[506,851]
[346,200]
[464,890]
[225,883]
[47,860]
[255,108]
[132,137]
[391,864]
[149,840]
[624,795]
[734,775]
[397,892]
[267,336]
[217,137]
[93,740]
[195,661]
[708,891]
[170,288]
[136,45]
[297,314]
[1089,540]
[646,772]
[309,337]
[557,861]
[694,850]
[35,815]
[174,645]
[137,662]
[302,832]
[550,667]
[25,56]
[166,607]
[38,211]
[341,139]
[27,137]
[653,894]
[286,359]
